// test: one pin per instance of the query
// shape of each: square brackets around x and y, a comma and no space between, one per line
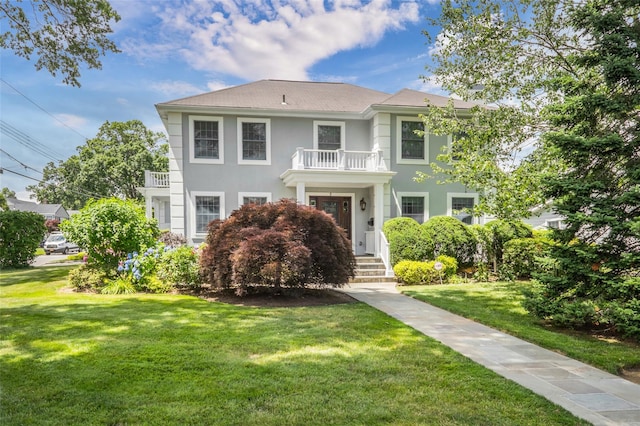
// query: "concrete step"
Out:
[368,259]
[369,272]
[371,269]
[370,266]
[373,279]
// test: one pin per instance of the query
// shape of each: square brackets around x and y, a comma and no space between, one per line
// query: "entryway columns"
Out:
[300,193]
[378,205]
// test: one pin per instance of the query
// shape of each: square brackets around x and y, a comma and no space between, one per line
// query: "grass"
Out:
[68,358]
[498,305]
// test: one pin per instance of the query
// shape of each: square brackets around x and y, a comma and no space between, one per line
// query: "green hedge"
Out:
[413,272]
[407,240]
[20,236]
[523,257]
[452,238]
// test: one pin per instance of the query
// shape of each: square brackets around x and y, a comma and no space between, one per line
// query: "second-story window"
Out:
[329,137]
[254,141]
[205,140]
[412,143]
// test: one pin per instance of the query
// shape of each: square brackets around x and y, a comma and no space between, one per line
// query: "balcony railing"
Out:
[156,179]
[320,159]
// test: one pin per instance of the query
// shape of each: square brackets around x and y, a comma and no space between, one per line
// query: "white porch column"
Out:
[300,193]
[378,201]
[148,206]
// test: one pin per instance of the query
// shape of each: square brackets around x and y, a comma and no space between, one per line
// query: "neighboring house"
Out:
[545,217]
[49,211]
[348,150]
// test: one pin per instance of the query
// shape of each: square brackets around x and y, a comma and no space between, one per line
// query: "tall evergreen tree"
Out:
[598,138]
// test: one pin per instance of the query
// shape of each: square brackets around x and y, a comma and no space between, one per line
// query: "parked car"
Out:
[57,243]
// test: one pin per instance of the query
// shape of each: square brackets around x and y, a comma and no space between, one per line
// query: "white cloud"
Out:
[270,39]
[216,85]
[428,84]
[70,120]
[175,89]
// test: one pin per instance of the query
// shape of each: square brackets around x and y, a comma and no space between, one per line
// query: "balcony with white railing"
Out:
[320,159]
[156,179]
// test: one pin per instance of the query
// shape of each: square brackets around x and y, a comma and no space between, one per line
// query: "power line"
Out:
[19,174]
[19,162]
[44,110]
[26,140]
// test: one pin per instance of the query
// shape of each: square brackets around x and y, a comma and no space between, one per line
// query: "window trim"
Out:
[425,195]
[267,123]
[399,159]
[318,123]
[241,196]
[451,195]
[192,142]
[192,206]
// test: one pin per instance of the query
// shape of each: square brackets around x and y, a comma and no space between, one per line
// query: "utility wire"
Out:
[74,191]
[44,110]
[26,140]
[19,162]
[19,174]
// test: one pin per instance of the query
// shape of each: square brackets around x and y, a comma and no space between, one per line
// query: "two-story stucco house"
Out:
[345,149]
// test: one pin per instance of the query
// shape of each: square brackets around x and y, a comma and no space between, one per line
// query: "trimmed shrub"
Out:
[179,267]
[109,229]
[483,237]
[522,257]
[85,278]
[413,272]
[20,236]
[451,237]
[499,232]
[276,245]
[407,240]
[625,316]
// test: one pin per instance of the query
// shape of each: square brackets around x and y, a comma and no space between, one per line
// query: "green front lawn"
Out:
[498,305]
[69,358]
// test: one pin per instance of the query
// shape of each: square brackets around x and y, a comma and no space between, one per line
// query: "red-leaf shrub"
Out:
[279,244]
[52,225]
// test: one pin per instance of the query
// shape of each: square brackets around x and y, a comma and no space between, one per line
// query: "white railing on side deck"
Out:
[322,159]
[384,255]
[156,179]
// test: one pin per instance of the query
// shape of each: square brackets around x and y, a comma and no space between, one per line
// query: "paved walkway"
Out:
[591,394]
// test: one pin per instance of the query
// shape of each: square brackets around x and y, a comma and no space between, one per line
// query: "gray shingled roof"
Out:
[297,96]
[414,98]
[29,206]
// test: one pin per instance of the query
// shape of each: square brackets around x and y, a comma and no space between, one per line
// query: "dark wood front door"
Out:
[338,207]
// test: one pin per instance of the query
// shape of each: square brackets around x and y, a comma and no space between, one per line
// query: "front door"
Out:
[338,207]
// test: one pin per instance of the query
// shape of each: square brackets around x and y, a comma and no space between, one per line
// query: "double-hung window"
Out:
[206,140]
[206,206]
[254,141]
[412,141]
[460,205]
[414,205]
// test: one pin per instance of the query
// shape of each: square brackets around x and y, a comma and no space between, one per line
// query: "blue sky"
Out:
[177,48]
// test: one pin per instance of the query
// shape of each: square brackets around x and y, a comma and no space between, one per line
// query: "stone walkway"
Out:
[591,394]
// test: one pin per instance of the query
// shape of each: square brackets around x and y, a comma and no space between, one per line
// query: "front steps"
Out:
[370,270]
